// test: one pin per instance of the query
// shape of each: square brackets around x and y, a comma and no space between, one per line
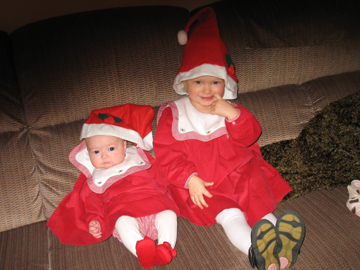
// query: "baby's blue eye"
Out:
[96,152]
[198,82]
[111,148]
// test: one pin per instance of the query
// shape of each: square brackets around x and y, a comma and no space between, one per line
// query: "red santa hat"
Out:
[130,122]
[205,54]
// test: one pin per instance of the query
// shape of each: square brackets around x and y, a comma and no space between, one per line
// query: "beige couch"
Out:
[292,58]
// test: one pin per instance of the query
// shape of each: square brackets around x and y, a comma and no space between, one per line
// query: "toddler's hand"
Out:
[94,228]
[197,190]
[223,108]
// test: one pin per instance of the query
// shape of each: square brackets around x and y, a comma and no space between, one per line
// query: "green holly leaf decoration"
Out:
[117,119]
[103,116]
[229,62]
[109,119]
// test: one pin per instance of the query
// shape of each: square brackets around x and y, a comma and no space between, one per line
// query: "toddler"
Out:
[120,191]
[207,148]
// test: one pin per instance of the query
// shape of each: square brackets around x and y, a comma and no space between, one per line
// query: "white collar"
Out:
[132,159]
[99,180]
[189,123]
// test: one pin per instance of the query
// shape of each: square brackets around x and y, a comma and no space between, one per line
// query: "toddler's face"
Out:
[201,91]
[105,151]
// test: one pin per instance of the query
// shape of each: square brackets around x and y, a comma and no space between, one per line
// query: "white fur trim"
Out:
[148,141]
[207,70]
[89,130]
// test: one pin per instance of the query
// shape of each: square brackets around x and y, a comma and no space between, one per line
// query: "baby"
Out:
[120,191]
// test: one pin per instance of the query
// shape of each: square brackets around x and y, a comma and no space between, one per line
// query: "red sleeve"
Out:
[93,205]
[171,154]
[68,222]
[244,130]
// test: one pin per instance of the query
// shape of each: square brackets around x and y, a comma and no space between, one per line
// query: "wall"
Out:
[16,13]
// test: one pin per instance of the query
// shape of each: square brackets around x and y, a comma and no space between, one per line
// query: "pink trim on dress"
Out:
[73,160]
[237,117]
[186,183]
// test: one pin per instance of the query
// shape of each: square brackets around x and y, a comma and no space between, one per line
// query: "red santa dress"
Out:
[188,142]
[134,188]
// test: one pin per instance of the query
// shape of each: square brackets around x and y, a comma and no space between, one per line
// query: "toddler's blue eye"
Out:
[96,152]
[216,82]
[198,82]
[111,148]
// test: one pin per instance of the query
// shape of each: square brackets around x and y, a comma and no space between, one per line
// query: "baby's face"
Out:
[105,151]
[201,91]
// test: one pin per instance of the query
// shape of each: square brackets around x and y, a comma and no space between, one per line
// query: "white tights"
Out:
[236,227]
[165,223]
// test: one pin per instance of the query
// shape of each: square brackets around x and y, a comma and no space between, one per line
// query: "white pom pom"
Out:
[182,37]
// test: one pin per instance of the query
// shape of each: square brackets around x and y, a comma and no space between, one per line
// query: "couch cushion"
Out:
[70,65]
[197,248]
[12,114]
[326,154]
[283,111]
[25,248]
[19,193]
[51,147]
[283,42]
[331,230]
[329,242]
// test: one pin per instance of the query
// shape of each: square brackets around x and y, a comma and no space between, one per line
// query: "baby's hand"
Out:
[223,108]
[95,229]
[197,190]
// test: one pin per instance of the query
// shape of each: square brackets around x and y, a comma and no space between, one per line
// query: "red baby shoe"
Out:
[145,251]
[164,254]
